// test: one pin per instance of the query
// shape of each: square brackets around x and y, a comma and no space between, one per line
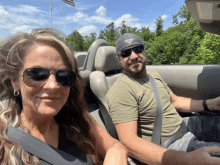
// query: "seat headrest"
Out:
[105,59]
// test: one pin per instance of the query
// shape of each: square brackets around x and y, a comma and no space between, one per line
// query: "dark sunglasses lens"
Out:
[34,77]
[125,53]
[138,49]
[66,77]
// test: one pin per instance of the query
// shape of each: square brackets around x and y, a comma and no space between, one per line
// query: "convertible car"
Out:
[100,69]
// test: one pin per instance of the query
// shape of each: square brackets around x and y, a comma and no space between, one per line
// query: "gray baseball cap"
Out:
[127,40]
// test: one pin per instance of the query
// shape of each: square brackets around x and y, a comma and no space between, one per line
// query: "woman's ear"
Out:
[15,85]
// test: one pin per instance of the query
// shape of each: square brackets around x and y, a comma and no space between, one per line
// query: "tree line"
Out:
[183,43]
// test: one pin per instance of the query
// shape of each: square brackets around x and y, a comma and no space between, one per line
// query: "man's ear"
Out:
[118,58]
[15,85]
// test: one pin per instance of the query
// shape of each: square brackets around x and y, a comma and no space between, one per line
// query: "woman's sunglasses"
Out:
[34,77]
[127,52]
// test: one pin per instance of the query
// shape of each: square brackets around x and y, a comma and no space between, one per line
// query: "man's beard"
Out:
[135,71]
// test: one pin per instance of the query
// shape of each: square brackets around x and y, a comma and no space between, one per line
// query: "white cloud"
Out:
[82,5]
[101,11]
[133,22]
[98,19]
[126,17]
[15,19]
[3,11]
[164,16]
[25,18]
[25,9]
[79,16]
[24,28]
[4,16]
[86,30]
[29,20]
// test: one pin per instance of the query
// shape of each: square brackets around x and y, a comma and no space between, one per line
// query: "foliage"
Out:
[183,43]
[88,40]
[75,40]
[182,13]
[209,51]
[159,26]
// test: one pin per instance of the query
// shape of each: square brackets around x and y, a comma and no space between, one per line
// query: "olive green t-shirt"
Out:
[132,99]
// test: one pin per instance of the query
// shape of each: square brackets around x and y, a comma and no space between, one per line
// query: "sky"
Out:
[88,16]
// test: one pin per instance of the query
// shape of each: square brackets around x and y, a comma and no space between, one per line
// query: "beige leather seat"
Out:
[105,74]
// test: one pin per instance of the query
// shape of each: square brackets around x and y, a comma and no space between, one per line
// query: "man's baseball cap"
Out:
[127,40]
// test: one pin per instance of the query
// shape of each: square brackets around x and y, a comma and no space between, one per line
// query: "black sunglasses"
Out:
[127,52]
[34,77]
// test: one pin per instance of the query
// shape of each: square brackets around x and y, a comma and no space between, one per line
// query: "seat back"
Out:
[105,74]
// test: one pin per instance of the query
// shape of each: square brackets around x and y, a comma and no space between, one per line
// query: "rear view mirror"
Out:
[207,13]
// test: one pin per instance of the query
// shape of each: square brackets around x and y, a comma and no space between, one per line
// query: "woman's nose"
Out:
[51,82]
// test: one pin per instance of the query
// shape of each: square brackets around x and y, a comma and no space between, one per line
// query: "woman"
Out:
[45,93]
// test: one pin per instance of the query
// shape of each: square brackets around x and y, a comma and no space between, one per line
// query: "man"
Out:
[133,108]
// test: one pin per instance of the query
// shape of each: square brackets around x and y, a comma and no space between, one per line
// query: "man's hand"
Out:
[202,156]
[197,157]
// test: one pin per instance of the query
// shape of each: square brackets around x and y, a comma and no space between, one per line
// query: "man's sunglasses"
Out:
[127,52]
[34,77]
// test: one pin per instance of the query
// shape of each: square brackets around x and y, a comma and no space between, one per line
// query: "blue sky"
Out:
[87,16]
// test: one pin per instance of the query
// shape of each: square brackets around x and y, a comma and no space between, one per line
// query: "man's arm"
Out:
[184,104]
[151,153]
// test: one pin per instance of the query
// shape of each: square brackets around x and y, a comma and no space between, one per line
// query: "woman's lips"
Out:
[49,98]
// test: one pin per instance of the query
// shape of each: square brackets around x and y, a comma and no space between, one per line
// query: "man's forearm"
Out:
[151,153]
[184,104]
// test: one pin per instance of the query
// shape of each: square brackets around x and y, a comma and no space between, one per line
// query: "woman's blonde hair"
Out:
[72,118]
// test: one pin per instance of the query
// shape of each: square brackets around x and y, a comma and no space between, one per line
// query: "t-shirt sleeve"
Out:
[162,80]
[122,103]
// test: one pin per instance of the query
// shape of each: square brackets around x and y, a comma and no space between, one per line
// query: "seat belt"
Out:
[42,150]
[156,137]
[107,120]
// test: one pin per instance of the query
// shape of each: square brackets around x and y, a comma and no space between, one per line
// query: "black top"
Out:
[67,153]
[72,149]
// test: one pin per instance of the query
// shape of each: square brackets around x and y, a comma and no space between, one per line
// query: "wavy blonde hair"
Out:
[72,118]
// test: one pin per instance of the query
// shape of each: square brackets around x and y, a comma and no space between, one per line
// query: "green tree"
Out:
[88,40]
[147,35]
[182,13]
[209,51]
[159,26]
[175,19]
[194,36]
[75,40]
[133,30]
[102,35]
[155,53]
[123,28]
[110,32]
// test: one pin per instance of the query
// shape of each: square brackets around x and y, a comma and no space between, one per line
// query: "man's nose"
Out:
[133,55]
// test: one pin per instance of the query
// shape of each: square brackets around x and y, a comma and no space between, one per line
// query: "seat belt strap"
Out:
[107,120]
[156,137]
[41,149]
